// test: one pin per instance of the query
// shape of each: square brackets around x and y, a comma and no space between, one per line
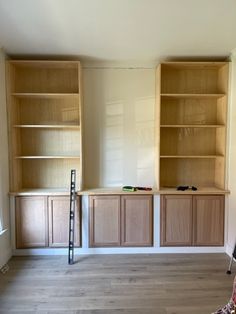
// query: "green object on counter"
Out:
[129,188]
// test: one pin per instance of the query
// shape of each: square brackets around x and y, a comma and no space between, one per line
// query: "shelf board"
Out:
[192,156]
[46,63]
[47,126]
[200,190]
[195,64]
[41,191]
[192,125]
[45,95]
[173,95]
[47,157]
[113,191]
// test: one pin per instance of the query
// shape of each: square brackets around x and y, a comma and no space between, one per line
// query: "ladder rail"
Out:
[72,217]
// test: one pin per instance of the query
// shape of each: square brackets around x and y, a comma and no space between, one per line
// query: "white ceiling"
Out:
[126,31]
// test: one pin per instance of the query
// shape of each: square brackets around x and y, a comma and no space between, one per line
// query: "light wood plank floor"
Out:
[117,284]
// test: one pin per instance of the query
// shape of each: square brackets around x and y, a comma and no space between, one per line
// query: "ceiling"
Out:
[121,31]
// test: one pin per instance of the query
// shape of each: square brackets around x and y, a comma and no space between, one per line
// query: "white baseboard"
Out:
[150,250]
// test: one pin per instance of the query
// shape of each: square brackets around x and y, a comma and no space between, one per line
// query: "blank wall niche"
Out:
[119,127]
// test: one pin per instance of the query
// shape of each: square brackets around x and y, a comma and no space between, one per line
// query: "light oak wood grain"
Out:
[104,220]
[208,214]
[31,222]
[136,220]
[176,220]
[58,221]
[192,102]
[44,121]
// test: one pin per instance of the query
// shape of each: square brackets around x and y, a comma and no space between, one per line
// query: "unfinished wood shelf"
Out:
[46,126]
[191,126]
[44,110]
[191,135]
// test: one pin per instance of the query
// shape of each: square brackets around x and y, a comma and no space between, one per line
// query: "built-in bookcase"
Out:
[191,131]
[44,112]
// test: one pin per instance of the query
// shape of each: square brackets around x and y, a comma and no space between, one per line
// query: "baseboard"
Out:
[149,250]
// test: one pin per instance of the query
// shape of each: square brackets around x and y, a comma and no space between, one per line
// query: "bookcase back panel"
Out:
[187,172]
[48,111]
[46,142]
[45,78]
[192,111]
[46,173]
[193,79]
[190,141]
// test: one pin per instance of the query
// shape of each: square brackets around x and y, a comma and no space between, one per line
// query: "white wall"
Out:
[5,246]
[119,138]
[232,162]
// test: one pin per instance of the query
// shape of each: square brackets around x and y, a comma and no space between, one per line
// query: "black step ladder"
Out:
[233,258]
[72,218]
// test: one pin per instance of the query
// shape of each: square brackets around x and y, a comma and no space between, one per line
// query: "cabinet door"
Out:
[104,220]
[31,222]
[136,220]
[176,220]
[59,209]
[208,220]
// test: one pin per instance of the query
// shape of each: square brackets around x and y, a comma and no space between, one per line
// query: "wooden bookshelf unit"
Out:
[191,114]
[44,113]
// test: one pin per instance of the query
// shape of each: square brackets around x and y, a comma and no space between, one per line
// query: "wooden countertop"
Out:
[100,191]
[117,191]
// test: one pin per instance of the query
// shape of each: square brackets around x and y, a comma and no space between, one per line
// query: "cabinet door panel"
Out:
[104,220]
[176,220]
[31,222]
[209,220]
[59,209]
[136,220]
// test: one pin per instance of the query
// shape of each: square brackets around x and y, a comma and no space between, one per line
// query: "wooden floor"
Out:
[117,284]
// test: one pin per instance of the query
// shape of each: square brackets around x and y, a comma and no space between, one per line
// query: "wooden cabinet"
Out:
[58,210]
[45,124]
[31,222]
[43,221]
[208,212]
[121,220]
[192,109]
[192,220]
[176,220]
[104,220]
[136,220]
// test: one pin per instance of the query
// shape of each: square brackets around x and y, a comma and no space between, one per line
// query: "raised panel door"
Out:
[176,220]
[136,220]
[208,220]
[59,209]
[31,222]
[104,220]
